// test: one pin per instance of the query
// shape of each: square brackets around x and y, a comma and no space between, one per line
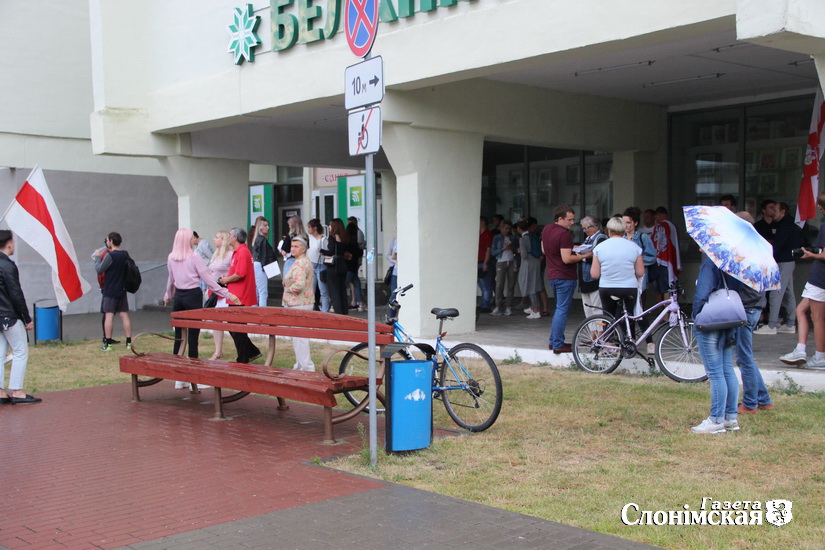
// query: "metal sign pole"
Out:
[363,91]
[370,196]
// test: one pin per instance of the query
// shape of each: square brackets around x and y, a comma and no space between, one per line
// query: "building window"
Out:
[753,152]
[522,181]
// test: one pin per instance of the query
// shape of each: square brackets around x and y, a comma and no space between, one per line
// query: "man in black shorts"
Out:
[114,293]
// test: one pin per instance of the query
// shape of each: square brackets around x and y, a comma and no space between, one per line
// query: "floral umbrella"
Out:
[733,245]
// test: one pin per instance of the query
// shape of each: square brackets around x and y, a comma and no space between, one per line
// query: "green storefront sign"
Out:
[305,21]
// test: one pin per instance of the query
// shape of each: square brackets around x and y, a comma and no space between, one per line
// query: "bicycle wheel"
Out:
[352,365]
[678,357]
[471,385]
[593,350]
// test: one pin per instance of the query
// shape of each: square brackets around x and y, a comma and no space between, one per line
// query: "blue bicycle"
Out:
[465,377]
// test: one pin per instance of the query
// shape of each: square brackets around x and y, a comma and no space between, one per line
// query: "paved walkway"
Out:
[89,469]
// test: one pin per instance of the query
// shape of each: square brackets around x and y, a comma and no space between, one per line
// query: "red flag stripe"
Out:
[806,202]
[33,203]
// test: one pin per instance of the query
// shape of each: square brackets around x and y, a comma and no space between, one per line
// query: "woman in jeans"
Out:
[716,349]
[262,254]
[317,241]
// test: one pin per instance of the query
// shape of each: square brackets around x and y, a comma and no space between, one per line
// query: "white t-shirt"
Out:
[314,250]
[617,258]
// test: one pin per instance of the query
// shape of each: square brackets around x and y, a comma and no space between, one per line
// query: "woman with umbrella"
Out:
[716,349]
[738,255]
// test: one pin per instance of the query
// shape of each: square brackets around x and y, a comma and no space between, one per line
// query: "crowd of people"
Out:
[622,256]
[508,255]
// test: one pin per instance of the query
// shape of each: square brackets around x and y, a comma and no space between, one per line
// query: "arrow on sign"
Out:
[374,81]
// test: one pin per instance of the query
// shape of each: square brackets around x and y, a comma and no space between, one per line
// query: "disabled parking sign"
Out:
[361,25]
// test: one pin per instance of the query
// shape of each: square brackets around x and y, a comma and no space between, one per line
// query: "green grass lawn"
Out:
[575,448]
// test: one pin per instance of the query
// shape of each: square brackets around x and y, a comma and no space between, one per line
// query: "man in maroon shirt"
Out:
[557,246]
[240,281]
[486,266]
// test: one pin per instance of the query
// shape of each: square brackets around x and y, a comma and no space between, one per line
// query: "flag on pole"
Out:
[806,203]
[33,217]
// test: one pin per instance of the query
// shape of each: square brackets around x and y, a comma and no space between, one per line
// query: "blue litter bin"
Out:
[48,323]
[409,423]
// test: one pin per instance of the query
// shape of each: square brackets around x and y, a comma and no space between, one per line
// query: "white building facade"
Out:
[492,106]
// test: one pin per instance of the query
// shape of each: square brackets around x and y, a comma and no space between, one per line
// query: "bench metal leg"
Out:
[329,437]
[218,404]
[135,392]
[282,406]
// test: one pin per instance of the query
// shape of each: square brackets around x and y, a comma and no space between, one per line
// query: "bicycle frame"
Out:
[670,308]
[441,352]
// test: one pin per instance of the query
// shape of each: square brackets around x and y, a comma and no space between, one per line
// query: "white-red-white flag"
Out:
[806,202]
[33,217]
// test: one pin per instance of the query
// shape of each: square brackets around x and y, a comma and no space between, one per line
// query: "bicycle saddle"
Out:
[444,313]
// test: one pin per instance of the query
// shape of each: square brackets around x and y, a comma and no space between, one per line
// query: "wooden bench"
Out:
[319,388]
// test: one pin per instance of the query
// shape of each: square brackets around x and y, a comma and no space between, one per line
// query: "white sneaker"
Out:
[765,329]
[181,385]
[708,427]
[528,310]
[508,311]
[795,357]
[785,329]
[497,311]
[816,365]
[534,315]
[731,425]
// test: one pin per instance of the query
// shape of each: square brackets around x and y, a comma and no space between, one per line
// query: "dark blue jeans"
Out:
[754,392]
[563,289]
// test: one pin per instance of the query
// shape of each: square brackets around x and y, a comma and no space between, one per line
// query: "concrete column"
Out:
[212,193]
[638,180]
[438,180]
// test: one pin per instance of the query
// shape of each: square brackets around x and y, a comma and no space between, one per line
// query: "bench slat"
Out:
[282,330]
[309,387]
[277,316]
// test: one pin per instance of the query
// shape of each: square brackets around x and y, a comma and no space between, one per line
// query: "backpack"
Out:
[131,276]
[535,245]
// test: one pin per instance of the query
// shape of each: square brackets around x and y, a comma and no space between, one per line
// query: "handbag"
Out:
[723,310]
[388,276]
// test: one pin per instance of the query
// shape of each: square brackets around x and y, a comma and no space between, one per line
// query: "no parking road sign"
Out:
[361,25]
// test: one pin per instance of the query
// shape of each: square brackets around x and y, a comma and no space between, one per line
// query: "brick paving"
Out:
[89,469]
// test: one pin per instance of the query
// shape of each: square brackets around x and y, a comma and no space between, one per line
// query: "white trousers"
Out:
[303,361]
[14,338]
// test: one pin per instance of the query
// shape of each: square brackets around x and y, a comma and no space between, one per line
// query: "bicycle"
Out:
[465,377]
[601,342]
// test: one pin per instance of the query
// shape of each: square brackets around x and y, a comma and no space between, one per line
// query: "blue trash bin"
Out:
[409,423]
[48,323]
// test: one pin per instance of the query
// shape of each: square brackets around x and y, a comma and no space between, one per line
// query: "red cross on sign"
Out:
[361,25]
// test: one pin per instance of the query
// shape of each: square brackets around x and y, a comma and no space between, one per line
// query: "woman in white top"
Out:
[219,267]
[617,262]
[316,243]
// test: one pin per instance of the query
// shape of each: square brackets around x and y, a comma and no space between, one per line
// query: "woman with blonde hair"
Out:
[262,254]
[219,267]
[186,270]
